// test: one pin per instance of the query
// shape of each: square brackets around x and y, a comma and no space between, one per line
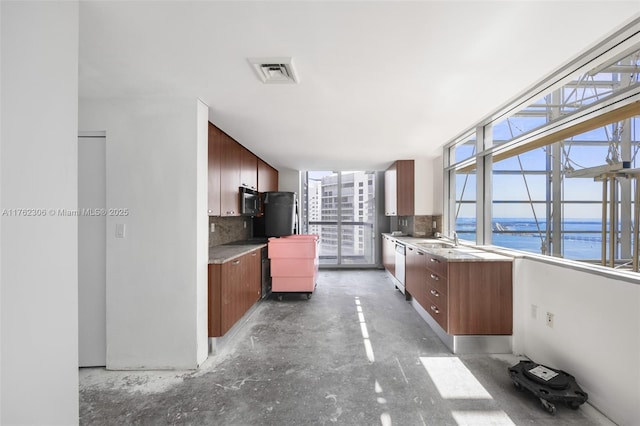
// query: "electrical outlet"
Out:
[213,227]
[550,319]
[534,311]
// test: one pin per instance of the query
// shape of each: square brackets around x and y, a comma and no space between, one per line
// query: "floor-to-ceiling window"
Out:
[464,181]
[340,208]
[556,172]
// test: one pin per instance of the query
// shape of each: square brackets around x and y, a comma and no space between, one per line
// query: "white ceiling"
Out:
[379,80]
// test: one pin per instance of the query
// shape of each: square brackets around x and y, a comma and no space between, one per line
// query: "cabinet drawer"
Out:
[438,311]
[437,265]
[436,290]
[435,282]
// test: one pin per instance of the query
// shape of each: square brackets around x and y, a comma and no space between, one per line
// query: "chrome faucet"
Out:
[454,240]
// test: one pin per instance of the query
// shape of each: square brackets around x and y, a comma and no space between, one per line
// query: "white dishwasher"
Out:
[400,266]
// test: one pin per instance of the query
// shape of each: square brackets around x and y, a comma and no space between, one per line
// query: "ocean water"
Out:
[582,239]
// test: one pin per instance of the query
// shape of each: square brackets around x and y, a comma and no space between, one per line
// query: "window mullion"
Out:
[484,164]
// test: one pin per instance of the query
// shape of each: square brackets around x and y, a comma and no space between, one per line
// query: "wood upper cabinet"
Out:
[399,189]
[267,177]
[230,166]
[465,298]
[215,150]
[230,177]
[234,287]
[248,169]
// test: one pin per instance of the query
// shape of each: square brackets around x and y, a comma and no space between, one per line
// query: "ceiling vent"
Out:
[274,70]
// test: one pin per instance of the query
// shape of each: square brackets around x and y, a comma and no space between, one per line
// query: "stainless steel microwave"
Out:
[249,202]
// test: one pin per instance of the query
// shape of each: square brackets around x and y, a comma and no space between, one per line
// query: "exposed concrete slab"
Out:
[300,361]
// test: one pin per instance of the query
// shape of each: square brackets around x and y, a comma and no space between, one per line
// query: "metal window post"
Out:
[484,179]
[624,132]
[556,183]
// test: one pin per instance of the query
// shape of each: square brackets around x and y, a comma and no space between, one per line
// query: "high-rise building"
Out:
[340,208]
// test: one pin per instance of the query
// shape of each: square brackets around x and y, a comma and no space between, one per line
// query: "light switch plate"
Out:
[120,230]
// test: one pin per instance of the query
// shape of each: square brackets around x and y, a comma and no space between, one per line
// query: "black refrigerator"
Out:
[279,213]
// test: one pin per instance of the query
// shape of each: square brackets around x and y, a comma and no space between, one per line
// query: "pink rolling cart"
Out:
[294,264]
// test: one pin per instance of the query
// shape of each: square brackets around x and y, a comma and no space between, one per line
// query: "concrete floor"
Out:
[356,353]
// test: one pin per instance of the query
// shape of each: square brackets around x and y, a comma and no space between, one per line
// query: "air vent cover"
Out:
[274,70]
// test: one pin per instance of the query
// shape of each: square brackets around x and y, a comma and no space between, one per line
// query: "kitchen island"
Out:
[464,293]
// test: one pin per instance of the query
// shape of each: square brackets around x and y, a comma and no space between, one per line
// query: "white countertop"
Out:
[445,249]
[226,252]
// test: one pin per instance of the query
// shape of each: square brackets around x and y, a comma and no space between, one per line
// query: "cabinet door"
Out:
[215,150]
[389,254]
[480,298]
[415,273]
[231,294]
[214,305]
[230,177]
[405,201]
[248,169]
[254,266]
[267,177]
[390,191]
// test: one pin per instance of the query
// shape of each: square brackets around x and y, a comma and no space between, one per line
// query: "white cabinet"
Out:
[390,191]
[409,188]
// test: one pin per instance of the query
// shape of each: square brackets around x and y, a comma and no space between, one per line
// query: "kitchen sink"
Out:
[434,245]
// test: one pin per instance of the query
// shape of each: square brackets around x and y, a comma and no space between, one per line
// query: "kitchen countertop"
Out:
[461,253]
[226,252]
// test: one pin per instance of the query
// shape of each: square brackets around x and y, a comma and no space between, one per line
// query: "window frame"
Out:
[622,104]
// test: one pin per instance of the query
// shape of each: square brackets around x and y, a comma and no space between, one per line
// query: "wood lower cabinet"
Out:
[435,290]
[415,266]
[389,254]
[234,287]
[480,298]
[465,298]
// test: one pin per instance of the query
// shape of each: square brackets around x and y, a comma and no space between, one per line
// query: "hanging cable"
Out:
[526,184]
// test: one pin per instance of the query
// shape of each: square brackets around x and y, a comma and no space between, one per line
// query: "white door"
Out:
[92,248]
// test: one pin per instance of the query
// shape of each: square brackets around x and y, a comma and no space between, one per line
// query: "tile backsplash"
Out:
[420,226]
[229,229]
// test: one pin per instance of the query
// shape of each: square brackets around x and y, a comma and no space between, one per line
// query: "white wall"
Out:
[202,232]
[156,275]
[595,336]
[423,184]
[38,164]
[428,186]
[92,252]
[289,180]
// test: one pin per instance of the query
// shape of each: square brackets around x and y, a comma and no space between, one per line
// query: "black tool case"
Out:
[548,385]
